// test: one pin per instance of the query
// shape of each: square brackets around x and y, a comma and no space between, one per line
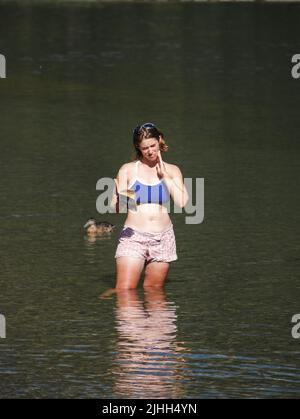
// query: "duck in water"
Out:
[93,227]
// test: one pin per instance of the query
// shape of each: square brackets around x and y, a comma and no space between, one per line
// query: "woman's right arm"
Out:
[121,184]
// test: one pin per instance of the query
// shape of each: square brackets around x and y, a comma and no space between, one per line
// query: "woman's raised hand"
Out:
[161,167]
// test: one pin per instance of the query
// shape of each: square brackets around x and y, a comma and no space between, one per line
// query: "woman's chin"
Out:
[151,159]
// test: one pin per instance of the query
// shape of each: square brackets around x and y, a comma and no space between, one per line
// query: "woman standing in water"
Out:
[147,239]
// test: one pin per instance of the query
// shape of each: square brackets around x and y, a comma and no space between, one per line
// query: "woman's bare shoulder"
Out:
[172,168]
[127,168]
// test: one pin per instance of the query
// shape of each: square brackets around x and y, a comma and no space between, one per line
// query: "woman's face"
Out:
[149,148]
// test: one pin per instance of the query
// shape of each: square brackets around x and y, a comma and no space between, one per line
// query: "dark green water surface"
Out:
[217,80]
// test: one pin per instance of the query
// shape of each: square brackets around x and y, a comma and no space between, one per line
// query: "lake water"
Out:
[216,79]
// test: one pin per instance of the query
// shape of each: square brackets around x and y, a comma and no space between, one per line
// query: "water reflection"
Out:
[91,240]
[149,360]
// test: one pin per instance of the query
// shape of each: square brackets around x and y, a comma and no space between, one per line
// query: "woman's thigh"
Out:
[129,271]
[156,274]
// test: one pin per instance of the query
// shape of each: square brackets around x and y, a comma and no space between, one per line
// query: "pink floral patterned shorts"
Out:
[152,247]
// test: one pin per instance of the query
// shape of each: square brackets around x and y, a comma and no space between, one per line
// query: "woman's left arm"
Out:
[174,181]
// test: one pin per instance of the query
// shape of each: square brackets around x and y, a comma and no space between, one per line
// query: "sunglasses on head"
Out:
[147,125]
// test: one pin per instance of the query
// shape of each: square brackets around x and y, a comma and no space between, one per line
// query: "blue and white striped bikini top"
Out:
[150,193]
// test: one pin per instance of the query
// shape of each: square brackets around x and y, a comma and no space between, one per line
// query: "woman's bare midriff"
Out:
[150,218]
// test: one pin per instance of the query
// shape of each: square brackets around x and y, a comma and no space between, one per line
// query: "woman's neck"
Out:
[150,164]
